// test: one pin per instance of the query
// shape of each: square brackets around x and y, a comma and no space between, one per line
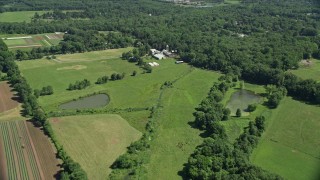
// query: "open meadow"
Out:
[19,16]
[140,91]
[94,141]
[175,139]
[309,71]
[290,146]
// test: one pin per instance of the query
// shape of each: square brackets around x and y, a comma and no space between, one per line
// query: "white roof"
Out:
[159,56]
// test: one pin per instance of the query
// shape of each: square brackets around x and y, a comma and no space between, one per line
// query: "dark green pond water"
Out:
[94,101]
[241,99]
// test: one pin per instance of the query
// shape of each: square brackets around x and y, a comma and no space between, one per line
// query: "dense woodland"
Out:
[256,40]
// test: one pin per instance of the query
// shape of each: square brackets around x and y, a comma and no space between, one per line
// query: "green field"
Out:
[309,72]
[290,146]
[94,141]
[19,16]
[139,91]
[176,139]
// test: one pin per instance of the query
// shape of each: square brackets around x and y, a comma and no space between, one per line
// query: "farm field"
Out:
[8,100]
[139,91]
[23,42]
[20,155]
[290,146]
[46,152]
[94,141]
[309,71]
[10,108]
[19,16]
[175,138]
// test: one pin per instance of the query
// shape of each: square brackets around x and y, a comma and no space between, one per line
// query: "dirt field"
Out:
[6,95]
[25,152]
[46,153]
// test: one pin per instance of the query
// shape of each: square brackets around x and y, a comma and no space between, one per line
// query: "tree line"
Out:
[216,157]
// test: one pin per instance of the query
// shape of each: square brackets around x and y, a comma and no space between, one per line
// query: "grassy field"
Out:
[309,72]
[290,146]
[19,16]
[141,90]
[234,126]
[95,141]
[176,139]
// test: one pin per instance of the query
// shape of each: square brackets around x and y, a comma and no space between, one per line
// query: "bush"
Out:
[251,107]
[238,113]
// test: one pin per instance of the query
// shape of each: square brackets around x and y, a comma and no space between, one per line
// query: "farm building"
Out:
[159,56]
[154,51]
[162,54]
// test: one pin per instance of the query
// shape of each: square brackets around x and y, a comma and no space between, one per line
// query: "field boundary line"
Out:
[34,151]
[47,36]
[24,46]
[47,42]
[14,38]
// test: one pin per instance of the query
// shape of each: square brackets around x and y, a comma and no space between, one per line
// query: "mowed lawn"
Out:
[141,90]
[95,141]
[176,139]
[19,16]
[290,146]
[309,72]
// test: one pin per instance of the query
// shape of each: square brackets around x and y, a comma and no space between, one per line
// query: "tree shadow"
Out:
[17,99]
[182,173]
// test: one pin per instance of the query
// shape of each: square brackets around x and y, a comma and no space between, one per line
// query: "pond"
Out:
[94,101]
[241,99]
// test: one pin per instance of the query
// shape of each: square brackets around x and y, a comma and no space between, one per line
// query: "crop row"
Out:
[20,156]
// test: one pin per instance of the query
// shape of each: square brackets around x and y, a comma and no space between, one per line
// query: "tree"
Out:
[238,113]
[36,93]
[251,107]
[134,73]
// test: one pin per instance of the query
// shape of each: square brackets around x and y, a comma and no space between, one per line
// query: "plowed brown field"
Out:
[46,152]
[7,96]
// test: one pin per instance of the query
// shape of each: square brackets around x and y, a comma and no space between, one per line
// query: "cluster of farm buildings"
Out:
[162,54]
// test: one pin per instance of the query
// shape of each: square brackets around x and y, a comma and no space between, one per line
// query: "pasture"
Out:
[175,138]
[138,91]
[18,16]
[15,42]
[20,157]
[290,146]
[94,141]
